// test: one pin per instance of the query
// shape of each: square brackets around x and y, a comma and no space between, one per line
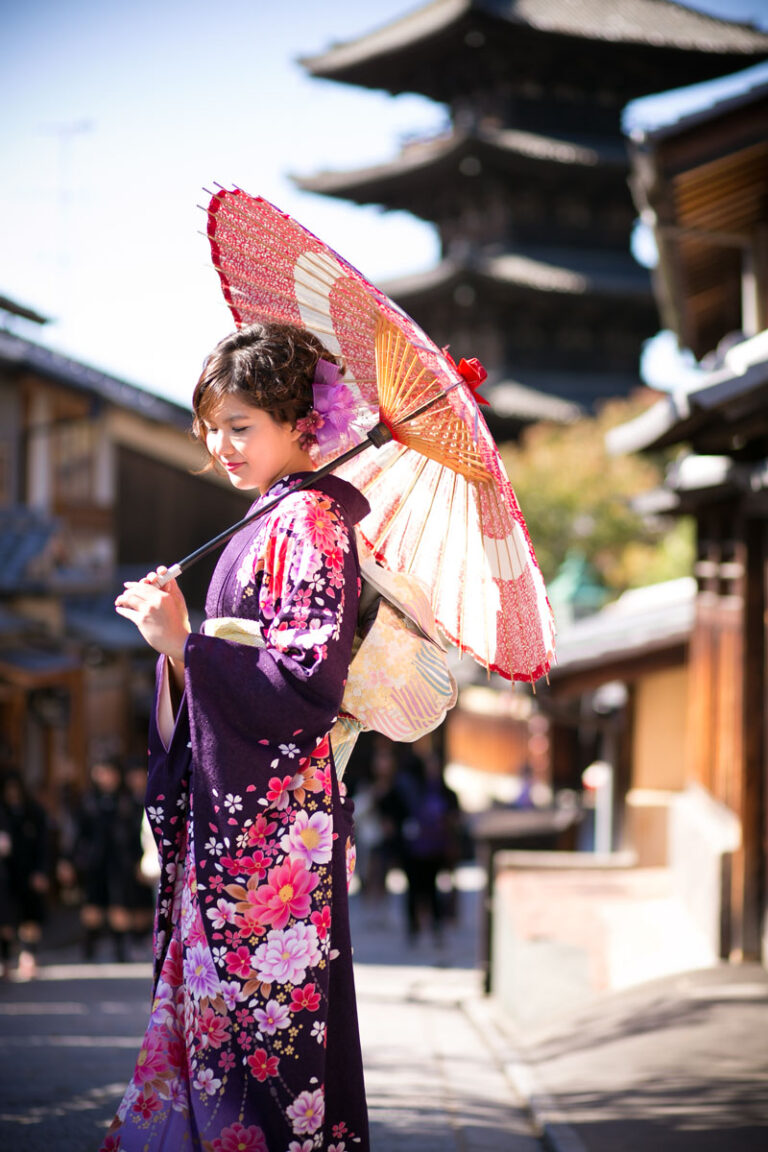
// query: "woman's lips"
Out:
[233,467]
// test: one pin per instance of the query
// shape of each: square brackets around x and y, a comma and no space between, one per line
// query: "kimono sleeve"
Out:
[304,589]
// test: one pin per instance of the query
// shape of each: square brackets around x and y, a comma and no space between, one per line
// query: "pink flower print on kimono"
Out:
[297,562]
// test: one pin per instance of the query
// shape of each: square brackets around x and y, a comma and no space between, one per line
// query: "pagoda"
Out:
[528,185]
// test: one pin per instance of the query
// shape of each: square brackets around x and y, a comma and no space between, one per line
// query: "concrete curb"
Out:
[548,1120]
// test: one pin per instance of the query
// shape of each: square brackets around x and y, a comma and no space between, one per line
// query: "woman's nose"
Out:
[218,442]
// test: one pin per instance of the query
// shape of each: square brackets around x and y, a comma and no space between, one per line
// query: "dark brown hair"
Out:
[270,366]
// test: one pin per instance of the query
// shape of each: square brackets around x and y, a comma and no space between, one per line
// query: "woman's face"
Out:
[255,450]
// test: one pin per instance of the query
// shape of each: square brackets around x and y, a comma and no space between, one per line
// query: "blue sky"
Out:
[117,117]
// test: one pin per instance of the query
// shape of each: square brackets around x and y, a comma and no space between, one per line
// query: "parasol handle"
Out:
[378,436]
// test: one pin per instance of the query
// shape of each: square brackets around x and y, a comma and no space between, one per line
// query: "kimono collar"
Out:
[353,502]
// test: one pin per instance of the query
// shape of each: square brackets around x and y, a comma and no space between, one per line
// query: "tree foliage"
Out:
[576,497]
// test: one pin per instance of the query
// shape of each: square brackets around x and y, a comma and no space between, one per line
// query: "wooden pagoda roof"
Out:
[563,272]
[452,45]
[420,168]
[702,185]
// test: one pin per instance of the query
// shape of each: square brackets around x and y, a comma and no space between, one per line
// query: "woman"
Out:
[252,1042]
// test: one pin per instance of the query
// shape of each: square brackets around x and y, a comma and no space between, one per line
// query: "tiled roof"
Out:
[566,150]
[568,272]
[734,391]
[659,23]
[642,620]
[18,353]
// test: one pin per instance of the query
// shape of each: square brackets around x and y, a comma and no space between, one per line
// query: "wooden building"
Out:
[97,484]
[702,182]
[527,185]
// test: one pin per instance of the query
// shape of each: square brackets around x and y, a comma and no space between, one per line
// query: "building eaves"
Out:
[641,621]
[752,85]
[740,383]
[502,143]
[558,271]
[656,23]
[19,354]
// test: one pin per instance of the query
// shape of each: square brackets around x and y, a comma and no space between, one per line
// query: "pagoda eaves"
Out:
[415,179]
[630,48]
[568,273]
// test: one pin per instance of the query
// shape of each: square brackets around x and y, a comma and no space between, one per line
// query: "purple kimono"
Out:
[252,1043]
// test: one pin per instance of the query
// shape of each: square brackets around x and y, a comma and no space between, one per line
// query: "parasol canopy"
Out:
[442,507]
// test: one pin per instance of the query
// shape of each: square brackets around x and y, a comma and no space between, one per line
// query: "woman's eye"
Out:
[240,431]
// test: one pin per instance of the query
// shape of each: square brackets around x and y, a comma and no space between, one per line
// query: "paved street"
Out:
[70,1039]
[678,1064]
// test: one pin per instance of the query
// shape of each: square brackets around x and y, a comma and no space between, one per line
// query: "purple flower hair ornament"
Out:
[328,423]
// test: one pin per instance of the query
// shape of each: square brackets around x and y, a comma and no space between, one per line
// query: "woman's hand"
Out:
[160,614]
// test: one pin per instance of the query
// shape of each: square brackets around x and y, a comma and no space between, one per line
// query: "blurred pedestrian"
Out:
[105,859]
[7,926]
[27,867]
[143,884]
[431,840]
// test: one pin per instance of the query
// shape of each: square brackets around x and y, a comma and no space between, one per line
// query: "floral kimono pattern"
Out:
[252,1043]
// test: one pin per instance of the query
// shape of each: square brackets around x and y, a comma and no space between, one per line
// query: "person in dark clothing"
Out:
[430,840]
[27,866]
[105,858]
[141,895]
[7,926]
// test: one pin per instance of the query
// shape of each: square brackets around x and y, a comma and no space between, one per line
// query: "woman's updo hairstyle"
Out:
[270,366]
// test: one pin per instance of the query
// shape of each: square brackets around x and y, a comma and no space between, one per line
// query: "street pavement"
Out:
[674,1065]
[69,1041]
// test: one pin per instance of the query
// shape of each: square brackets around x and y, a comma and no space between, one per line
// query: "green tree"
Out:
[576,497]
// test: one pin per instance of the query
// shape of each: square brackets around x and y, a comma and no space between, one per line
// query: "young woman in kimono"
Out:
[252,1043]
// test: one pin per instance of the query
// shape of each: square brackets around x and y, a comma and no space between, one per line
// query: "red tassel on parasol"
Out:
[443,509]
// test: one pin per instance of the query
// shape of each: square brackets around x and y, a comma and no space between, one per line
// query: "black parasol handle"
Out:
[378,436]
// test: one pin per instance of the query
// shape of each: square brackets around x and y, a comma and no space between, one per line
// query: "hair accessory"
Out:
[328,423]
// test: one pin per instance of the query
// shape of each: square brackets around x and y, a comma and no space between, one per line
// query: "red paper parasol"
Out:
[442,506]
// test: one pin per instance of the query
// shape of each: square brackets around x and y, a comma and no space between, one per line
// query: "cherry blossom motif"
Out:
[146,1105]
[307,1112]
[260,831]
[272,1016]
[310,838]
[319,1031]
[285,894]
[221,914]
[200,973]
[205,1081]
[262,1065]
[277,792]
[286,954]
[213,1029]
[305,1146]
[322,921]
[229,990]
[237,1138]
[238,963]
[305,998]
[305,781]
[255,865]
